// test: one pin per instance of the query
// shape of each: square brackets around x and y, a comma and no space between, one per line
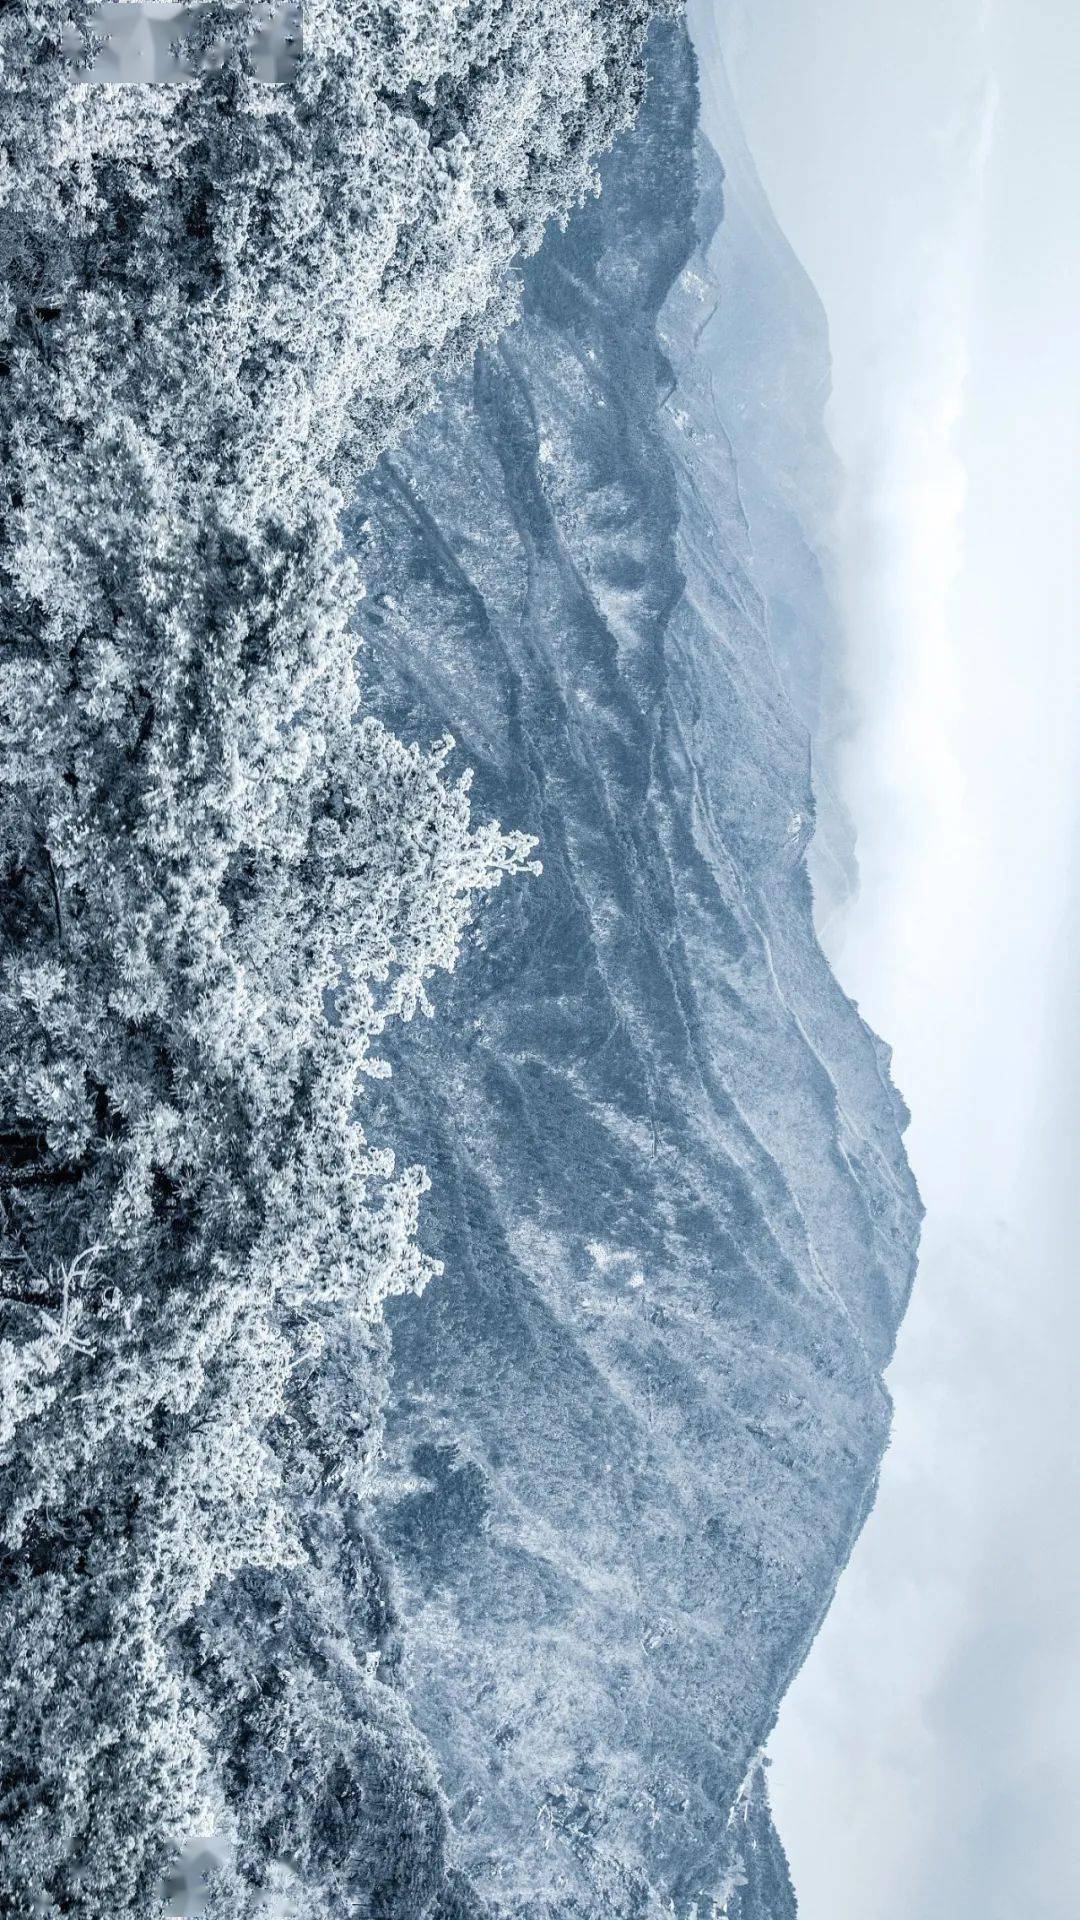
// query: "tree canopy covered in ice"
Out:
[221,880]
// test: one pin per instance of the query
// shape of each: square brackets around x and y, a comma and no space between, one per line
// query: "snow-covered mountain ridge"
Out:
[635,1427]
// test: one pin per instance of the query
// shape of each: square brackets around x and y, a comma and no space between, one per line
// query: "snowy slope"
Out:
[635,1427]
[764,352]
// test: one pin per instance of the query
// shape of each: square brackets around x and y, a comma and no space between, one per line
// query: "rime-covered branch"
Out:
[221,880]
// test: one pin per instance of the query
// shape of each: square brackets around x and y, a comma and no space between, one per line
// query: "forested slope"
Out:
[635,1426]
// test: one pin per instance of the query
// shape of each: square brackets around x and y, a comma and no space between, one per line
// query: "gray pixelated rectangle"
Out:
[148,43]
[182,1889]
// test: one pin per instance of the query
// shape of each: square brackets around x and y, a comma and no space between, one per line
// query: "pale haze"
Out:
[924,164]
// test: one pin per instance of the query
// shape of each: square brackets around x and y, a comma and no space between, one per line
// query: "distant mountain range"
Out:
[635,1426]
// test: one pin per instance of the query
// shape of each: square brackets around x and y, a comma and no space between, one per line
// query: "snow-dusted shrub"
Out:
[220,880]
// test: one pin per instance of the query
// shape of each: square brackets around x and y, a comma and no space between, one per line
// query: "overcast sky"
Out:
[925,162]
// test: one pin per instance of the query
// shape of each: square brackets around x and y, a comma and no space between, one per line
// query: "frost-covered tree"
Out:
[220,881]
